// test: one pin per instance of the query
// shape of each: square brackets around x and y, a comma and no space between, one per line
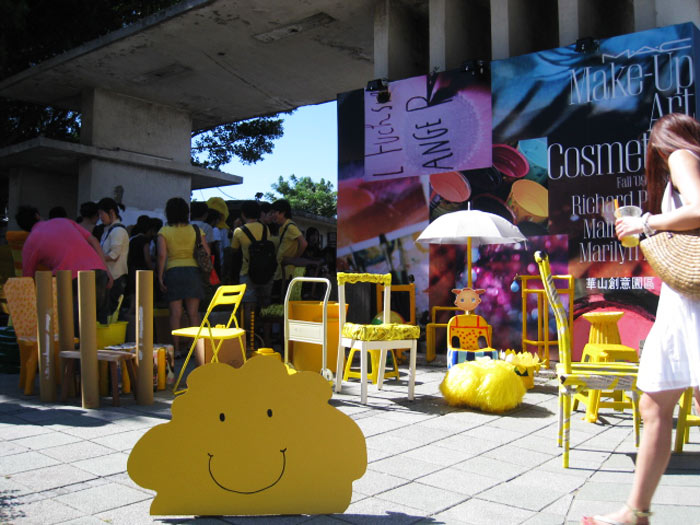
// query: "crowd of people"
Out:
[99,240]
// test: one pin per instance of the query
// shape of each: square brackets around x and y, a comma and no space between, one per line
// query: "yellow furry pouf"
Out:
[489,385]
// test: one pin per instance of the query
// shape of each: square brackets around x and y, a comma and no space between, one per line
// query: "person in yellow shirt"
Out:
[178,273]
[291,241]
[257,294]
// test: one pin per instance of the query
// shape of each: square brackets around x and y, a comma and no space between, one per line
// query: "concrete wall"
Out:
[140,190]
[41,190]
[111,120]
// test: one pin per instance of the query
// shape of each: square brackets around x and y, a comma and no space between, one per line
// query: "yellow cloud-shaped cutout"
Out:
[251,441]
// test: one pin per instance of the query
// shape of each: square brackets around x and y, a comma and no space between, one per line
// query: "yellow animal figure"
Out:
[251,441]
[467,298]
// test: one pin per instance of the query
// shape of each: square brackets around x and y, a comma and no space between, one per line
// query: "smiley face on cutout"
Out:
[253,440]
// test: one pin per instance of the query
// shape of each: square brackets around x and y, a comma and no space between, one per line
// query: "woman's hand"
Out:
[625,226]
[162,286]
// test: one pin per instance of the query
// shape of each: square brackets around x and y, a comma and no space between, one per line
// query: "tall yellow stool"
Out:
[432,326]
[604,346]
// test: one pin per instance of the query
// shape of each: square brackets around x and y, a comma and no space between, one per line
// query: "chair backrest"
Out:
[21,301]
[410,289]
[226,295]
[353,278]
[550,290]
[468,328]
[15,239]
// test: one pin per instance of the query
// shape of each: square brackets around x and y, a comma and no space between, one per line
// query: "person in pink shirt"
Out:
[62,244]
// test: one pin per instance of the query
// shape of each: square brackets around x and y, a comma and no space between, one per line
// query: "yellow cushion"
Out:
[353,278]
[380,332]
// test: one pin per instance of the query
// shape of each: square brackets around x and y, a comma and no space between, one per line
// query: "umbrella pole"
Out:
[469,262]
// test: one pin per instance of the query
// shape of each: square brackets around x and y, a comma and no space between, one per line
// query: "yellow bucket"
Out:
[111,334]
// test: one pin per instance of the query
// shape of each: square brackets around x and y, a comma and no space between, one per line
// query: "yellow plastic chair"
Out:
[21,302]
[364,337]
[577,378]
[231,296]
[463,333]
[685,420]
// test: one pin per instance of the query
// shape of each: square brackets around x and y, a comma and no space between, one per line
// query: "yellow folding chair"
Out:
[577,378]
[230,296]
[366,337]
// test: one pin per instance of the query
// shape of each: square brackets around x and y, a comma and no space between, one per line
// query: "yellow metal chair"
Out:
[230,296]
[366,337]
[577,378]
[685,420]
[432,326]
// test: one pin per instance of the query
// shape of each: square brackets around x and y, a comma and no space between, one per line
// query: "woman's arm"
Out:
[162,256]
[96,246]
[685,176]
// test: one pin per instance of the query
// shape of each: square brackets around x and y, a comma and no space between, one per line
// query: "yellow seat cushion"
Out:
[380,332]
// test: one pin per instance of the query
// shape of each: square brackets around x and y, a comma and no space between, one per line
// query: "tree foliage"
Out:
[304,194]
[32,31]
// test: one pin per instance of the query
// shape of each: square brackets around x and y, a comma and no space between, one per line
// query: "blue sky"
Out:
[308,148]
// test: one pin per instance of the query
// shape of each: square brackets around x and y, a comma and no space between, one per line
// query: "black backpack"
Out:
[262,257]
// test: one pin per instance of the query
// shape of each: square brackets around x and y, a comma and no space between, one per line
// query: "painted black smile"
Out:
[284,465]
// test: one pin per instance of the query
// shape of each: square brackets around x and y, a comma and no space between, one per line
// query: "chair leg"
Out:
[412,370]
[566,431]
[363,376]
[339,369]
[67,378]
[560,428]
[636,416]
[682,422]
[430,342]
[131,372]
[381,367]
[115,382]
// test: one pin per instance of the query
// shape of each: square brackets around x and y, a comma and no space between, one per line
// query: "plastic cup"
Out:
[629,241]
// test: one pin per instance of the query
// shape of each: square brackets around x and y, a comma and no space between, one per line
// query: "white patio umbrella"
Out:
[473,228]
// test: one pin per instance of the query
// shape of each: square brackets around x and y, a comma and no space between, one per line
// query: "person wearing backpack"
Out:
[259,261]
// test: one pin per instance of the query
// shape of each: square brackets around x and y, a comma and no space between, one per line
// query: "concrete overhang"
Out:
[219,60]
[55,156]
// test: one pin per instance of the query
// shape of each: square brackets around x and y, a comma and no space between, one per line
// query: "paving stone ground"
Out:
[428,463]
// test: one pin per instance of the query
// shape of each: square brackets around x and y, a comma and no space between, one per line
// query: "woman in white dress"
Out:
[671,359]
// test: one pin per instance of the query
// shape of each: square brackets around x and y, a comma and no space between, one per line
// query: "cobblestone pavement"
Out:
[427,462]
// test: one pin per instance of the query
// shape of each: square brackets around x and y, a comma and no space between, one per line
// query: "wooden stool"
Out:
[112,357]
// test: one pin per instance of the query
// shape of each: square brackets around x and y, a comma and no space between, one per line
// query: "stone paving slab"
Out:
[428,462]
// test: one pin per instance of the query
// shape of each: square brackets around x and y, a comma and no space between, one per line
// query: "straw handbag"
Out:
[675,257]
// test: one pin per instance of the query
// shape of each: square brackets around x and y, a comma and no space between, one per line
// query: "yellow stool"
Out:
[430,330]
[604,346]
[374,366]
[685,420]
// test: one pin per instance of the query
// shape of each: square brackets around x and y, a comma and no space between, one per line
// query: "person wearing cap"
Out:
[219,204]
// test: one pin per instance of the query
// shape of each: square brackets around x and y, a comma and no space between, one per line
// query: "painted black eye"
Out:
[269,412]
[222,417]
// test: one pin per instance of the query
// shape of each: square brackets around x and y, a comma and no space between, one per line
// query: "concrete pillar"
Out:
[458,31]
[398,39]
[140,130]
[644,14]
[500,34]
[670,12]
[569,30]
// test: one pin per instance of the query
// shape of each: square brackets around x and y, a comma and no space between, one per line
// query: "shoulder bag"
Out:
[200,254]
[675,257]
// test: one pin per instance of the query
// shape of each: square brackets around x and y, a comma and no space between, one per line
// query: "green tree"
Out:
[32,31]
[304,194]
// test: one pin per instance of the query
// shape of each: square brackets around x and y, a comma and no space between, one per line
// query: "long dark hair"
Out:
[106,204]
[670,133]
